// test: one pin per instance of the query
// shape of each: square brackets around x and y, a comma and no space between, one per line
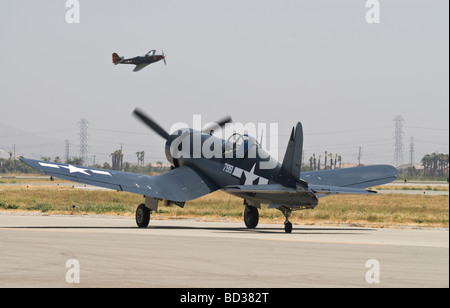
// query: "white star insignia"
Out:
[73,169]
[250,177]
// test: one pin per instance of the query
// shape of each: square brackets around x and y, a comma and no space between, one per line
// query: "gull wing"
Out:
[181,184]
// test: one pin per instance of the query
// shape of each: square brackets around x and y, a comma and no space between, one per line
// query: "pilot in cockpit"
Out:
[238,145]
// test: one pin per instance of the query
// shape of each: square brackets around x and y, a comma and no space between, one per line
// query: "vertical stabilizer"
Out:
[292,162]
[116,59]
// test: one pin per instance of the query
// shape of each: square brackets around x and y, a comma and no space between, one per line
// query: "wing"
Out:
[358,177]
[181,184]
[140,66]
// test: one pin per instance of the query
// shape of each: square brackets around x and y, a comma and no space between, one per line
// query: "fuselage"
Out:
[143,60]
[240,160]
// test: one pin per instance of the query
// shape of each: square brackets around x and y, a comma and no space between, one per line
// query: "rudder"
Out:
[116,59]
[292,162]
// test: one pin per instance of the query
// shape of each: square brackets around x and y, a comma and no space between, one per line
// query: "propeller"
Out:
[220,123]
[151,123]
[164,57]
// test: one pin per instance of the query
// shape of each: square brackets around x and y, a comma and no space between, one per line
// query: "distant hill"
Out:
[28,144]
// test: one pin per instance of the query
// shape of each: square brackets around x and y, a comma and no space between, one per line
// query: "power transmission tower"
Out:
[398,143]
[83,141]
[411,151]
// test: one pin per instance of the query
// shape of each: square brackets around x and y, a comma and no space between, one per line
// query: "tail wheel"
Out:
[251,216]
[142,216]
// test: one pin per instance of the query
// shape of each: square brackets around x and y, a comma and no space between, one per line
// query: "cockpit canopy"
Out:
[238,145]
[151,53]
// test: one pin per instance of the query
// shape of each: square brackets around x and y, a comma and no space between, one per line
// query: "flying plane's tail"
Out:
[116,59]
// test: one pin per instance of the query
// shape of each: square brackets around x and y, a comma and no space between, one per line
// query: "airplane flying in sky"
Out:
[238,171]
[140,62]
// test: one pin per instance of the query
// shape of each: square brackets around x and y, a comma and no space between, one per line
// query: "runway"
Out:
[113,252]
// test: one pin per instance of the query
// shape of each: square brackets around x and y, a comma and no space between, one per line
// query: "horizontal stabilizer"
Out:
[268,189]
[321,190]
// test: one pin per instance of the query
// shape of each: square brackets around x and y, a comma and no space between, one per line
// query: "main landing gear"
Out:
[143,216]
[251,217]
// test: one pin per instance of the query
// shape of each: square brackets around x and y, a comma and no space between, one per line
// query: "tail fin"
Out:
[290,168]
[116,59]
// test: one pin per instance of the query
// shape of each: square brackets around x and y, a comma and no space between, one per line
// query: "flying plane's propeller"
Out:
[164,57]
[151,123]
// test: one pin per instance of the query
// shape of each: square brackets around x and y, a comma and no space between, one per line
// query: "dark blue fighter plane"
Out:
[235,172]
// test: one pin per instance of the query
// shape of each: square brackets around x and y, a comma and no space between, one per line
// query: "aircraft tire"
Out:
[142,216]
[251,217]
[288,227]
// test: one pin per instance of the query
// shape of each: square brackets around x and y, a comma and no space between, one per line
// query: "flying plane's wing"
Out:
[140,66]
[181,184]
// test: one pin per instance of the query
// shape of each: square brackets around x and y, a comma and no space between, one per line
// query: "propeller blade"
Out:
[220,123]
[164,57]
[151,123]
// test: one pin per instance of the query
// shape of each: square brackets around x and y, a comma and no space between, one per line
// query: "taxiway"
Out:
[113,252]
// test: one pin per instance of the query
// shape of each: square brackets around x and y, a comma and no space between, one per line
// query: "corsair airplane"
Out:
[236,172]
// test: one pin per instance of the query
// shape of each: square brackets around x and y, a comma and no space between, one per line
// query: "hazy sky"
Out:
[317,61]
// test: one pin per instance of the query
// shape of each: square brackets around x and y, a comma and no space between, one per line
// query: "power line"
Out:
[428,128]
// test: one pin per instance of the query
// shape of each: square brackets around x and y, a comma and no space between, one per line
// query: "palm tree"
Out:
[159,164]
[331,160]
[426,163]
